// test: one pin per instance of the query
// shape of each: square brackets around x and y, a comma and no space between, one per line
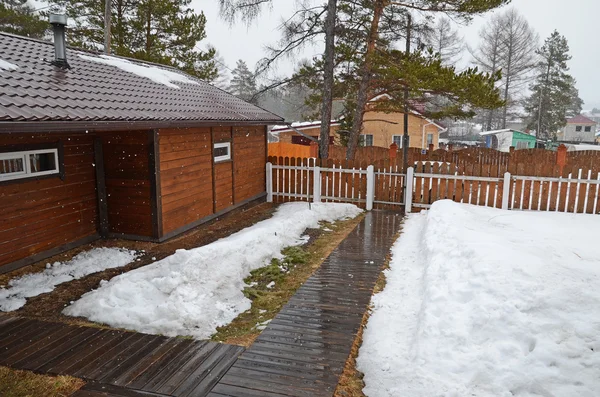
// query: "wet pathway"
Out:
[302,352]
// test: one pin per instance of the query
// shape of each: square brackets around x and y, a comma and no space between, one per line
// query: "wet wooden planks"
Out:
[302,352]
[129,363]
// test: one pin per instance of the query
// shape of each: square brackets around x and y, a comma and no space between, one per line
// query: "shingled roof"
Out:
[106,91]
[580,119]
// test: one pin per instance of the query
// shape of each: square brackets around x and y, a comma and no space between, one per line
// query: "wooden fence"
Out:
[385,186]
[281,149]
[360,183]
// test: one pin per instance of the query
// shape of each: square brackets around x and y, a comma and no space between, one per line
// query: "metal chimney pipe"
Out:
[59,24]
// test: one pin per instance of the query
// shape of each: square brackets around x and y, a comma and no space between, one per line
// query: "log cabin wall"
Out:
[128,184]
[42,217]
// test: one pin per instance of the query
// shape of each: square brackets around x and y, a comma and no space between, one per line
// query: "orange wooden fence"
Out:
[281,149]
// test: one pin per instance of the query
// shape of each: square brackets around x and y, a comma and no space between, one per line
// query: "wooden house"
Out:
[379,129]
[93,146]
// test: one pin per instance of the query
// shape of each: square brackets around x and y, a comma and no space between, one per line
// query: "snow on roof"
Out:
[495,132]
[7,65]
[580,119]
[300,125]
[154,73]
[580,147]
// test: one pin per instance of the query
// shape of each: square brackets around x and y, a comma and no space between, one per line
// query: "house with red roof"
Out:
[579,129]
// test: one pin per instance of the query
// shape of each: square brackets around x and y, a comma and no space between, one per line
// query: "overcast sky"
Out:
[577,20]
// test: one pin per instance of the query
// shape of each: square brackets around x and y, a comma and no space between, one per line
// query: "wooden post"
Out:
[450,148]
[505,190]
[314,150]
[393,151]
[370,187]
[269,183]
[317,184]
[408,193]
[431,147]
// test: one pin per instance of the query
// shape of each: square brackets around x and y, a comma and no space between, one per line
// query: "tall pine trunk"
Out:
[328,79]
[365,80]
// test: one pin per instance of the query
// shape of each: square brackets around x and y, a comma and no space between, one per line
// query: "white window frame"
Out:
[400,140]
[364,140]
[28,172]
[428,142]
[225,157]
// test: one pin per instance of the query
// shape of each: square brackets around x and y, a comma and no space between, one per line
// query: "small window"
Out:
[522,145]
[578,128]
[222,151]
[429,139]
[28,164]
[366,140]
[397,139]
[588,128]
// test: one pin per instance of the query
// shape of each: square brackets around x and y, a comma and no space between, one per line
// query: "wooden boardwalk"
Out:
[302,352]
[115,363]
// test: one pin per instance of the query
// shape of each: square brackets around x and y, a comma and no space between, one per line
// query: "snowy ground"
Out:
[192,292]
[484,302]
[14,295]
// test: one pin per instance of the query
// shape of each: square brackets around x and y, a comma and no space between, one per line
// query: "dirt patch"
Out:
[14,383]
[49,306]
[287,275]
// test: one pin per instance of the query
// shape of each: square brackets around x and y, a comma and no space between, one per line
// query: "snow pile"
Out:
[483,302]
[7,65]
[156,74]
[192,292]
[84,263]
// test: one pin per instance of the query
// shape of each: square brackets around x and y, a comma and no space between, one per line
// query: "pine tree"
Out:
[165,32]
[554,94]
[243,82]
[18,17]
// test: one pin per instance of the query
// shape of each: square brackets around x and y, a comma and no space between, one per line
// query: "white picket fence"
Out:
[320,184]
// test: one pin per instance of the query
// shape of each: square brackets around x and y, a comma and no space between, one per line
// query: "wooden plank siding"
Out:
[194,187]
[249,148]
[46,214]
[185,174]
[128,184]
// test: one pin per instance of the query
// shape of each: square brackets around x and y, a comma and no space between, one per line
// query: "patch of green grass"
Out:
[270,287]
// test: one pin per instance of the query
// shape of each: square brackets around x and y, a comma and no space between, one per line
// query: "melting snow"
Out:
[154,73]
[7,65]
[488,303]
[192,292]
[84,263]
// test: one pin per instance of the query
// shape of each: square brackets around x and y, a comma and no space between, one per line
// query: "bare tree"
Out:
[488,57]
[509,44]
[445,40]
[295,35]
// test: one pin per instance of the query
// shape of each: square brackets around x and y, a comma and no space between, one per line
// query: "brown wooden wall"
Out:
[185,175]
[127,174]
[223,174]
[249,148]
[193,187]
[39,215]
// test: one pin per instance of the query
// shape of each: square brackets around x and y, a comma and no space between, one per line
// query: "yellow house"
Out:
[379,129]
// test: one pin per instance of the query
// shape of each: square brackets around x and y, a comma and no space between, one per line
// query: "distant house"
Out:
[114,147]
[502,140]
[379,129]
[578,129]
